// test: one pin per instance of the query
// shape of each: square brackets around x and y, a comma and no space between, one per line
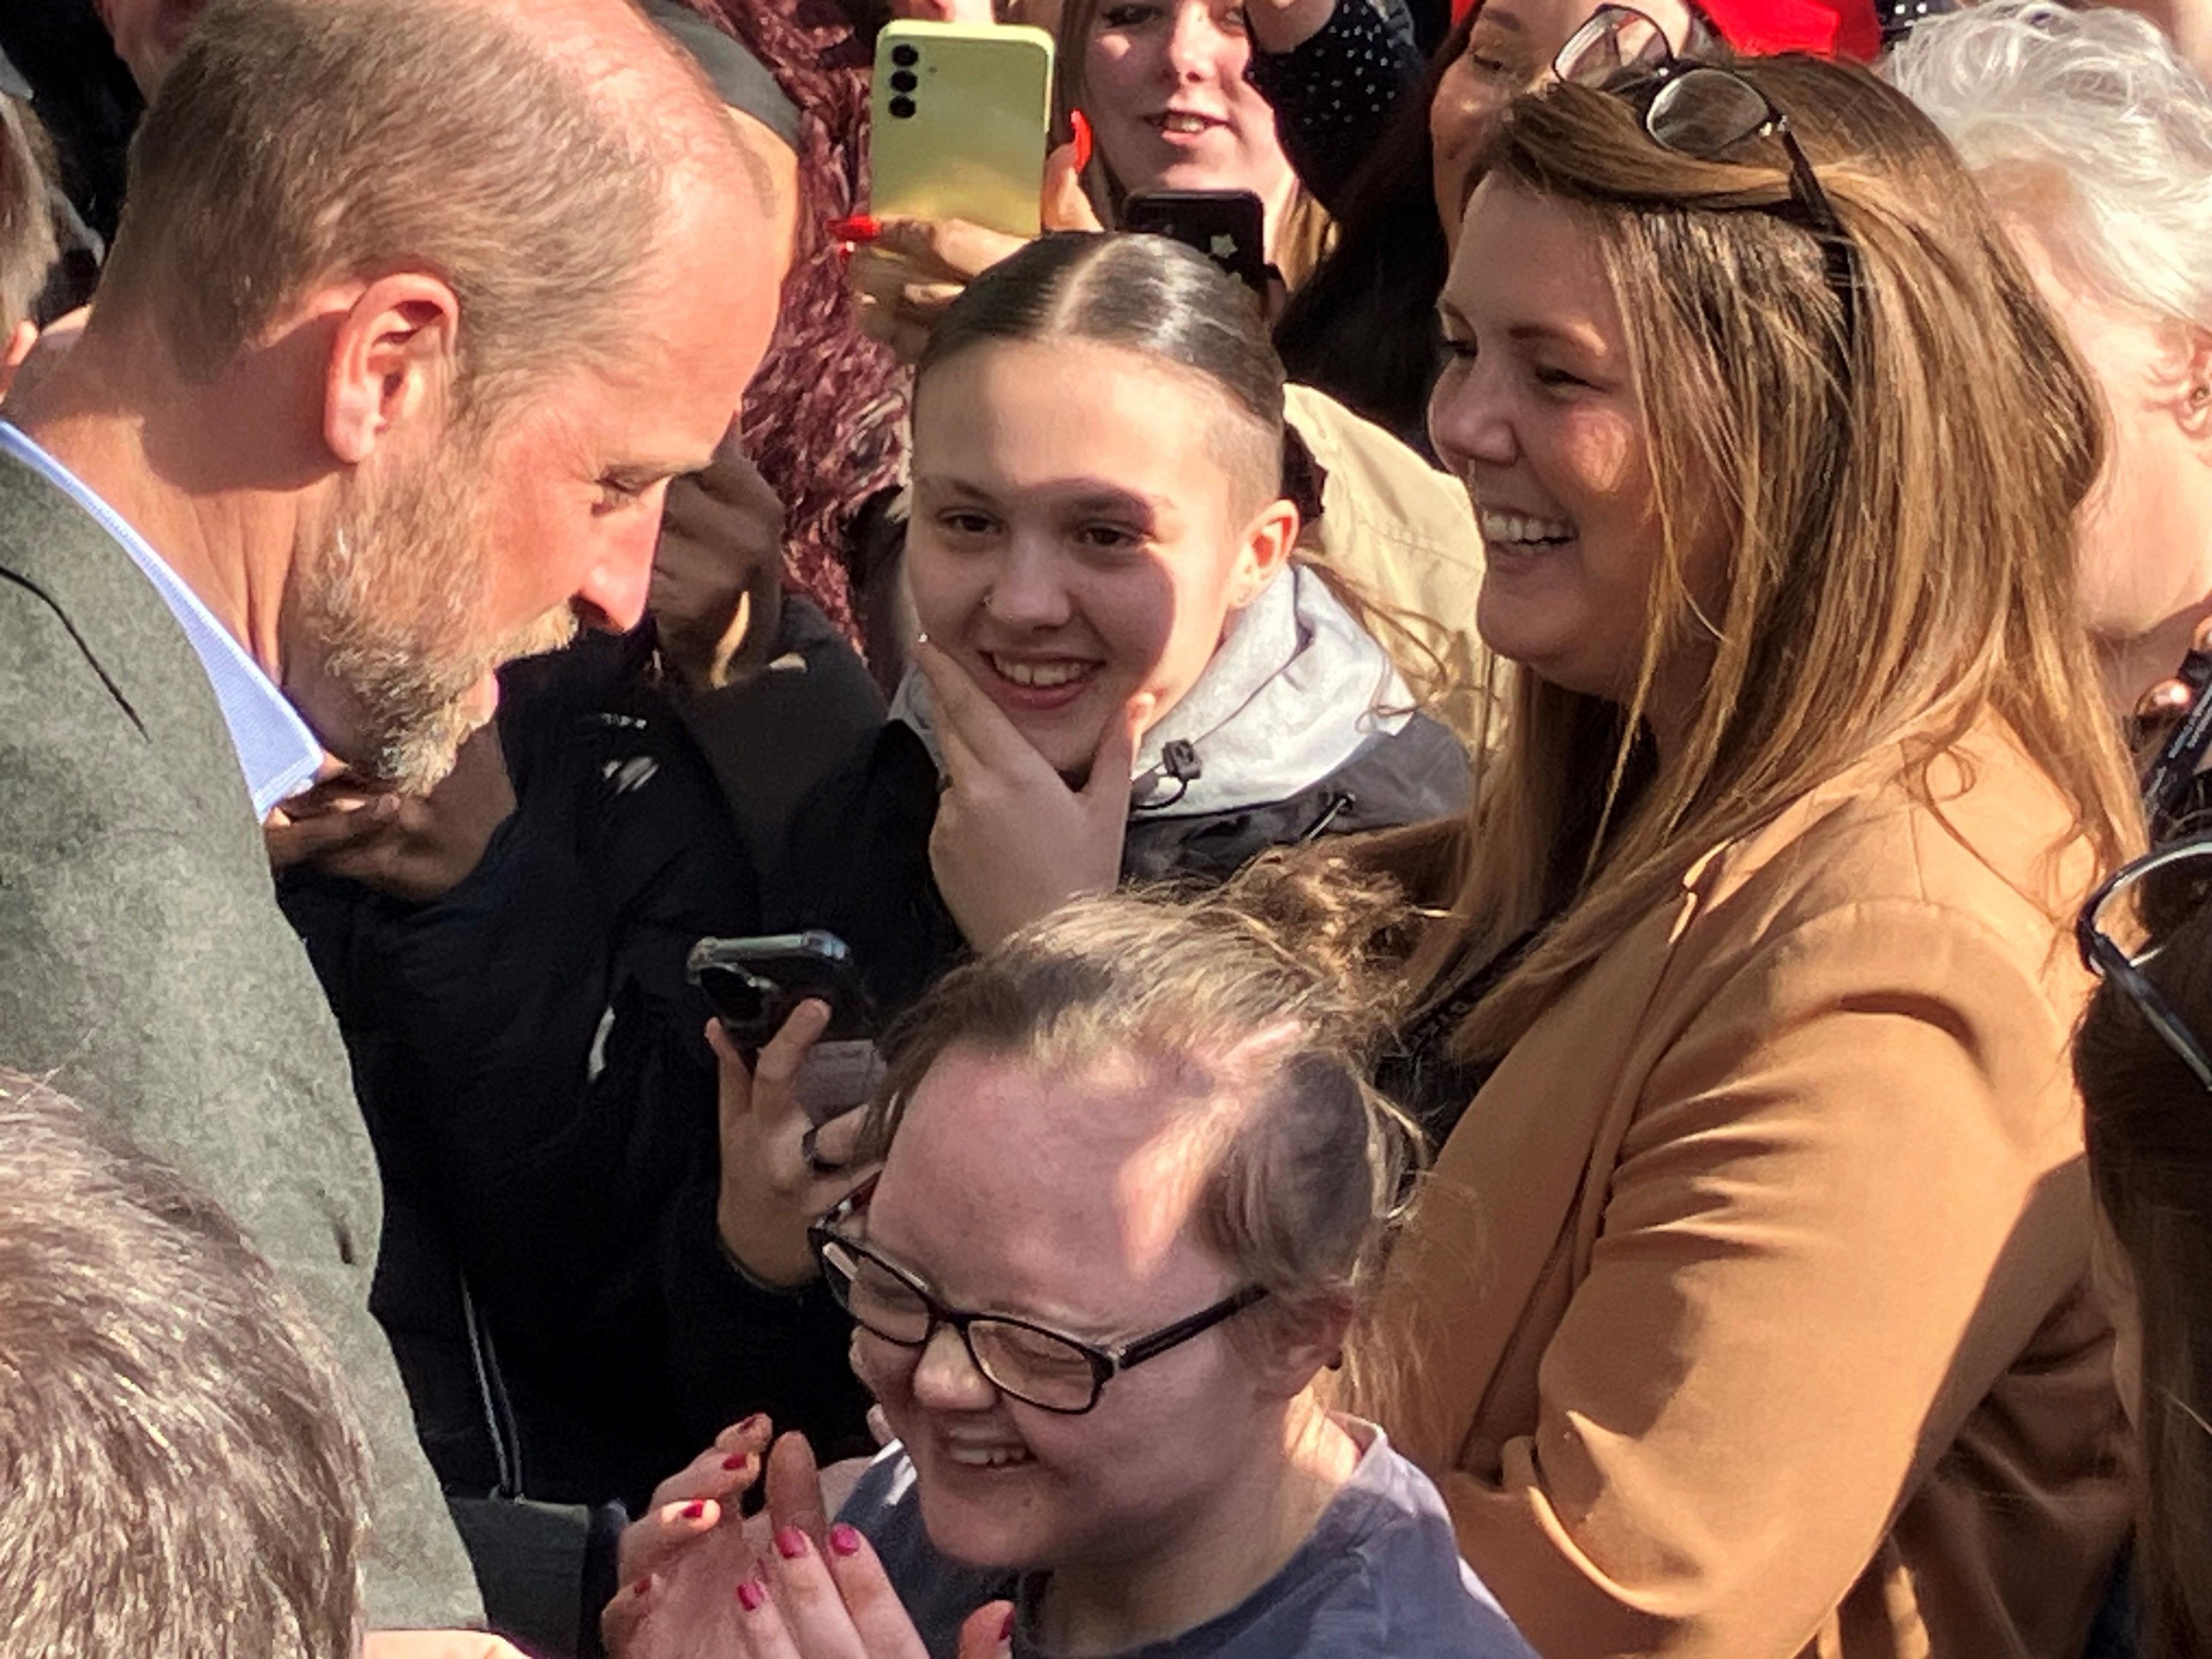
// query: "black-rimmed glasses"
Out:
[1033,1362]
[1703,111]
[2156,893]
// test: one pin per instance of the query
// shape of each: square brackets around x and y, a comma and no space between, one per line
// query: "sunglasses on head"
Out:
[1703,111]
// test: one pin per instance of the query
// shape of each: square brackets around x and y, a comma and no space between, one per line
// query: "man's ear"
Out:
[1268,539]
[394,361]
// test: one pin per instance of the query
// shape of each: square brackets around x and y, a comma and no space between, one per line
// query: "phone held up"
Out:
[958,118]
[1230,227]
[754,984]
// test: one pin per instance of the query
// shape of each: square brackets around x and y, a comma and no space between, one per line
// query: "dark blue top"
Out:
[1380,1577]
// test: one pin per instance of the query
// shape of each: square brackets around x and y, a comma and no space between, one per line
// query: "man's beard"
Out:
[392,599]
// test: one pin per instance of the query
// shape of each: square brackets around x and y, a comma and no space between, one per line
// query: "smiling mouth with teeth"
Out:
[987,1457]
[1518,530]
[1188,126]
[1040,676]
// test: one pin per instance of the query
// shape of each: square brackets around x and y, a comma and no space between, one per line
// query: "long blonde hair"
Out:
[1301,240]
[1897,490]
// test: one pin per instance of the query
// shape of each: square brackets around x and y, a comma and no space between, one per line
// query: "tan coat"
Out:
[1749,1312]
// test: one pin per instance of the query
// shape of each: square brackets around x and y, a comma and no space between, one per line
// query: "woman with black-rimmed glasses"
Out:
[1133,1191]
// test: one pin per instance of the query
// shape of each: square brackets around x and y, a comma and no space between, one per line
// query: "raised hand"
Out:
[1012,839]
[813,1601]
[770,1190]
[908,270]
[418,847]
[717,575]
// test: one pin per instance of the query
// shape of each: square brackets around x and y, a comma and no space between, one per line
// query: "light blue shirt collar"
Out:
[276,750]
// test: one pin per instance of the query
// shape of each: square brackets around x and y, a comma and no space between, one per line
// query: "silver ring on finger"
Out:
[808,1149]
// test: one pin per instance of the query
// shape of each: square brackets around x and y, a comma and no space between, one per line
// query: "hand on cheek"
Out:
[1012,840]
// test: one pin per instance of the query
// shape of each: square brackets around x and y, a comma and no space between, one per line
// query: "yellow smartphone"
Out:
[958,115]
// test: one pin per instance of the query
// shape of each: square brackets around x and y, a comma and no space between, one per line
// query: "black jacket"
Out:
[857,862]
[530,1061]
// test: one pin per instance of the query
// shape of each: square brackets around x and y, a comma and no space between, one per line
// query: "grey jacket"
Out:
[144,963]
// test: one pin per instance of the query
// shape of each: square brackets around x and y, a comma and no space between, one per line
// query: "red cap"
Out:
[1826,28]
[1759,28]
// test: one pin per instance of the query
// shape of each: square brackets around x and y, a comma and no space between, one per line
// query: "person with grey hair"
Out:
[2092,137]
[163,1388]
[186,1473]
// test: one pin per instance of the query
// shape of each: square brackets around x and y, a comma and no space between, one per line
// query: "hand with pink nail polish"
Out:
[830,1598]
[677,1560]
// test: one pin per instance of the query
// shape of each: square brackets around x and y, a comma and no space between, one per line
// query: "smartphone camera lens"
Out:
[905,57]
[904,82]
[903,108]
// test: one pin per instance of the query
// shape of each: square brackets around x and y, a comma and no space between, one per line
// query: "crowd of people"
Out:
[1515,952]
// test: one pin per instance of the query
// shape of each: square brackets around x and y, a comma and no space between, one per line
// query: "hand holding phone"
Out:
[958,115]
[908,271]
[776,1178]
[756,985]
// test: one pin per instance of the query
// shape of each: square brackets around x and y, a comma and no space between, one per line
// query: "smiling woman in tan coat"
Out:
[1746,1313]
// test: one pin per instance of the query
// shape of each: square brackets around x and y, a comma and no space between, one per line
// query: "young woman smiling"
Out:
[1127,671]
[1101,1347]
[1748,1313]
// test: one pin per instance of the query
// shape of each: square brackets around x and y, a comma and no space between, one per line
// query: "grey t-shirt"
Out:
[1379,1577]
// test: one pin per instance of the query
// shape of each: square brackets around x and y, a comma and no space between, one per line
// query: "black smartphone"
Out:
[2170,779]
[1227,226]
[753,985]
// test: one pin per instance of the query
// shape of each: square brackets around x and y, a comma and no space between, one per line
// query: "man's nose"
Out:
[612,594]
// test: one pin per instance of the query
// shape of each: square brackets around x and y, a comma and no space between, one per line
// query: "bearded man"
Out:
[416,307]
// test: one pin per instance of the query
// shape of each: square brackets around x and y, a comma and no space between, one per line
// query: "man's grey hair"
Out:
[2098,104]
[532,157]
[180,1473]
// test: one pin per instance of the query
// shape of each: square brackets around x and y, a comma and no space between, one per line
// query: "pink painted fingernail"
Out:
[754,1424]
[643,1585]
[693,1510]
[791,1543]
[736,1460]
[855,227]
[1007,1630]
[844,1540]
[1079,127]
[751,1597]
